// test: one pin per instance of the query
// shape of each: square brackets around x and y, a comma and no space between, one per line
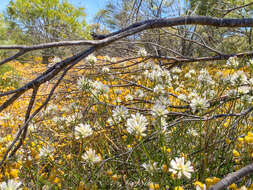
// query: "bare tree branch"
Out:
[233,177]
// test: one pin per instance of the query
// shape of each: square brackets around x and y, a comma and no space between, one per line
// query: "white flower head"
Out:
[91,156]
[205,78]
[179,168]
[238,78]
[137,124]
[91,59]
[46,151]
[163,100]
[159,89]
[129,97]
[182,97]
[56,59]
[232,62]
[201,188]
[83,83]
[10,185]
[150,167]
[142,52]
[176,70]
[159,110]
[139,93]
[6,117]
[105,69]
[83,131]
[199,103]
[119,113]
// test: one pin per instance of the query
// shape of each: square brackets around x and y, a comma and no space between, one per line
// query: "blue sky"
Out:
[91,6]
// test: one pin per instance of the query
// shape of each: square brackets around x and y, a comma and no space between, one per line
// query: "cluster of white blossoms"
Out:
[139,93]
[159,74]
[232,62]
[83,83]
[159,89]
[83,131]
[136,125]
[159,110]
[6,117]
[46,151]
[190,74]
[91,59]
[142,52]
[99,88]
[10,185]
[198,103]
[90,156]
[180,168]
[204,78]
[238,78]
[119,113]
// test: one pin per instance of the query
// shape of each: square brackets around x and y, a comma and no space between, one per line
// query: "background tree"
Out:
[47,21]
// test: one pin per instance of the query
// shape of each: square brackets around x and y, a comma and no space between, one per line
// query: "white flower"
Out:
[159,110]
[192,132]
[129,97]
[91,59]
[105,69]
[56,59]
[142,52]
[99,87]
[244,89]
[83,83]
[150,167]
[159,89]
[120,112]
[137,124]
[238,78]
[90,156]
[243,188]
[199,104]
[107,58]
[176,70]
[232,62]
[182,97]
[205,78]
[10,185]
[199,188]
[192,72]
[139,93]
[46,151]
[6,117]
[180,168]
[164,100]
[155,75]
[32,128]
[83,131]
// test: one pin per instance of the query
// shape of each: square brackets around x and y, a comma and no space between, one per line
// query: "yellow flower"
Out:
[165,168]
[248,139]
[236,153]
[233,186]
[240,140]
[14,173]
[109,172]
[115,177]
[178,188]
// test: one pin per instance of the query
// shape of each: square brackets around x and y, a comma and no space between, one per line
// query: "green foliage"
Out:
[48,20]
[6,77]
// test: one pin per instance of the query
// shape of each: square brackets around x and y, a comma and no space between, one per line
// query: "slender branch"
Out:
[232,178]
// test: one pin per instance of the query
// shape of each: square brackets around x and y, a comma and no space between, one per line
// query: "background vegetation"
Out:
[161,108]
